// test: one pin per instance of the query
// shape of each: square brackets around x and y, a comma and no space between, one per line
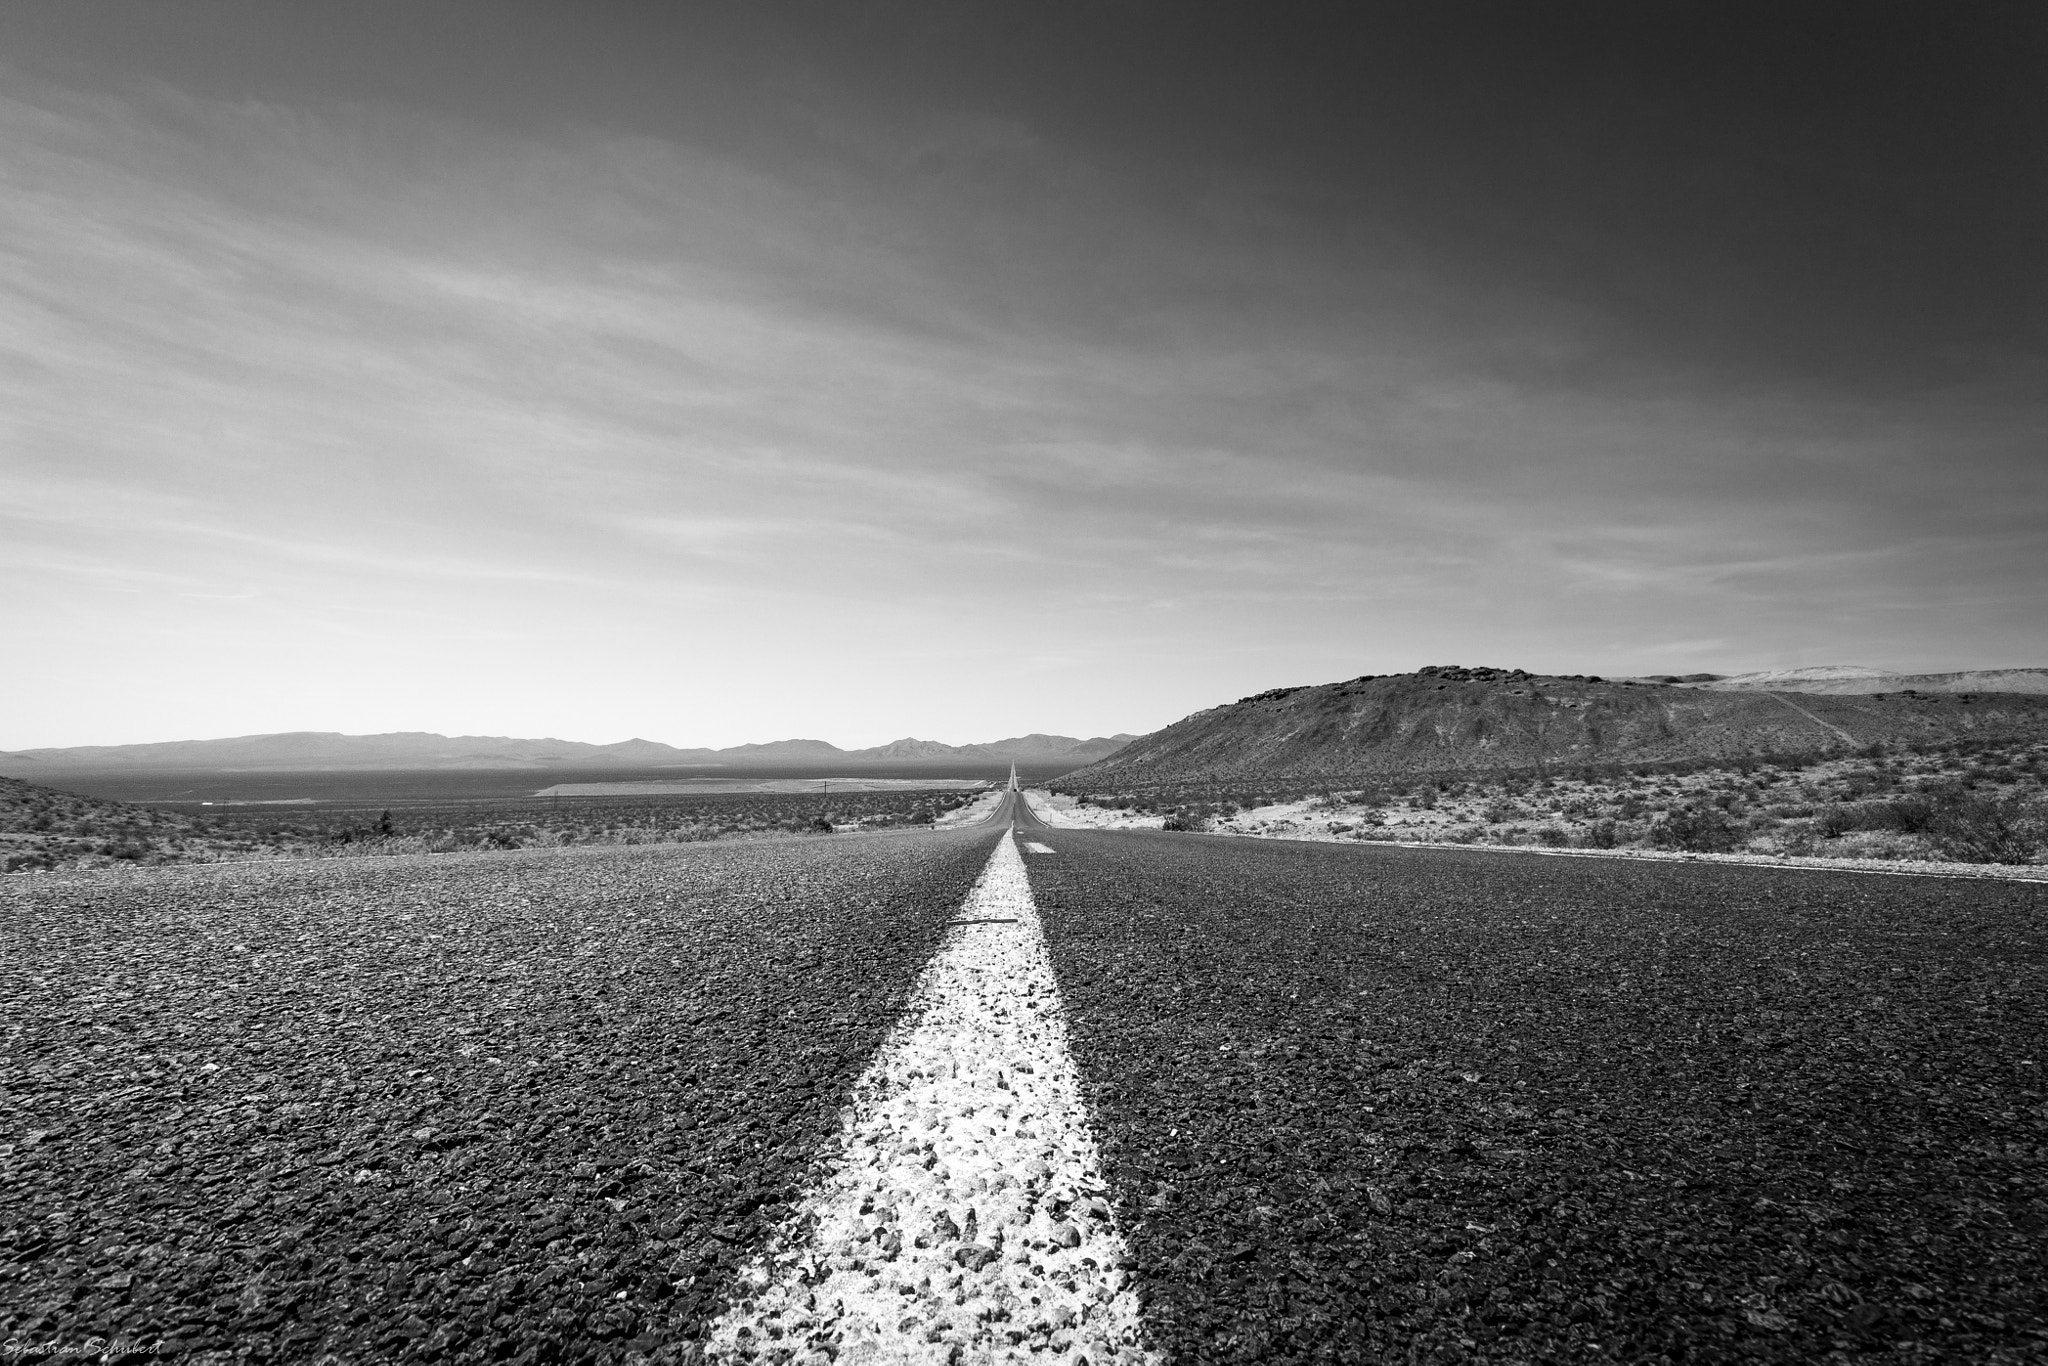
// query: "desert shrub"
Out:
[1500,811]
[1875,780]
[1553,836]
[1913,815]
[1697,829]
[1193,819]
[1960,826]
[1985,830]
[1836,821]
[1600,835]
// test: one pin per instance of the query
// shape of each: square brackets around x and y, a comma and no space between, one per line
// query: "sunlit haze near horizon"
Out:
[725,373]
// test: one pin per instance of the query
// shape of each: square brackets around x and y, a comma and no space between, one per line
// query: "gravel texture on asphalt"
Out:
[963,1218]
[1374,1103]
[529,1106]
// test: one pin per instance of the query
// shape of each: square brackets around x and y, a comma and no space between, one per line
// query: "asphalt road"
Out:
[527,1106]
[1353,1102]
[1361,1102]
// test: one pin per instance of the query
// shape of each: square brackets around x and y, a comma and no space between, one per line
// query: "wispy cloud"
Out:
[275,375]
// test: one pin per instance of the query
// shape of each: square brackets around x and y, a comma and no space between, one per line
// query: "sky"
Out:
[718,373]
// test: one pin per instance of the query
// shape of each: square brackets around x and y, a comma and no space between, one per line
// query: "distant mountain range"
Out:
[314,751]
[1448,719]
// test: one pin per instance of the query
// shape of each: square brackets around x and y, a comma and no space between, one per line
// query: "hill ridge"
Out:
[1448,718]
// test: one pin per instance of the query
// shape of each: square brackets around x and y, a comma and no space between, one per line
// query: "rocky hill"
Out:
[1448,719]
[40,828]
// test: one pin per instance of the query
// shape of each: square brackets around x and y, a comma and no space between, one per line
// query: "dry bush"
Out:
[1989,830]
[1697,829]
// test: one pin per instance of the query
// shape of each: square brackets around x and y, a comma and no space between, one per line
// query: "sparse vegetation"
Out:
[41,829]
[1974,802]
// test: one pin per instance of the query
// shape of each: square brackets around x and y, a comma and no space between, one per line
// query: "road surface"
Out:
[1342,1102]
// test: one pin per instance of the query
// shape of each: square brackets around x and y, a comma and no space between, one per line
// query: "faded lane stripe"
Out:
[964,1217]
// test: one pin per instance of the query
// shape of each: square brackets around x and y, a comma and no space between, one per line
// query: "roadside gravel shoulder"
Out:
[1062,812]
[1309,834]
[974,813]
[2015,872]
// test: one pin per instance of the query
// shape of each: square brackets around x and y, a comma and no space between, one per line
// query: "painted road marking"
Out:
[965,1200]
[1036,848]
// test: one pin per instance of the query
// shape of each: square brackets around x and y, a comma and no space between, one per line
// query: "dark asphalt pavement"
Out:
[1361,1102]
[529,1107]
[1356,1102]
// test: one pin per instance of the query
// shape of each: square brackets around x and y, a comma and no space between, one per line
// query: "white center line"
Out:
[963,1217]
[1037,848]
